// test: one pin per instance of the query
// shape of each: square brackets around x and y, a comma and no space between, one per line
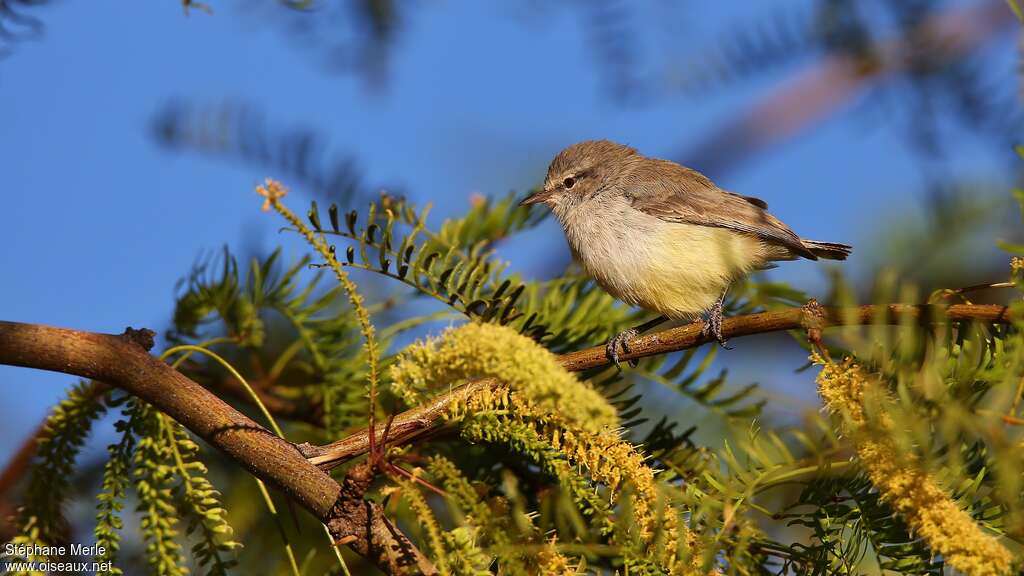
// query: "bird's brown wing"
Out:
[677,194]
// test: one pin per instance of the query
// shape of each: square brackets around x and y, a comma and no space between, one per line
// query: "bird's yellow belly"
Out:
[678,270]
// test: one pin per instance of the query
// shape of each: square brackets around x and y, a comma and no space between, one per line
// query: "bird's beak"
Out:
[537,197]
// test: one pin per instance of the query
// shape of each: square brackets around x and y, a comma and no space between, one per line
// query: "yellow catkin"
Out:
[677,537]
[476,350]
[551,561]
[903,483]
[608,459]
[670,530]
[613,462]
[695,565]
[577,420]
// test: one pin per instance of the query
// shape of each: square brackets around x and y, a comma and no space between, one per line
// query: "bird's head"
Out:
[579,172]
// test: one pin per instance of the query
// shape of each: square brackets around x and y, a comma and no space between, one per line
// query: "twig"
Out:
[415,423]
[946,292]
[794,318]
[15,468]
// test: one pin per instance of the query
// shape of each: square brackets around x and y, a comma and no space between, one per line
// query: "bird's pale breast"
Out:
[678,270]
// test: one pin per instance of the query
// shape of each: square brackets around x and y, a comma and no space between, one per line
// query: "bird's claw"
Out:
[621,339]
[713,326]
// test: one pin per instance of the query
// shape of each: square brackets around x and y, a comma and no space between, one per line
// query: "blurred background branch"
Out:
[17,23]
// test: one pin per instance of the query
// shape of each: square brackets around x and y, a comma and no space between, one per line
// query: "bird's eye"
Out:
[569,182]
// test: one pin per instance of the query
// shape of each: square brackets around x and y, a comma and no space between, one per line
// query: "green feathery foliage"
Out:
[40,519]
[116,476]
[428,522]
[315,344]
[454,265]
[852,522]
[313,351]
[465,556]
[480,522]
[201,503]
[153,477]
[523,439]
[160,459]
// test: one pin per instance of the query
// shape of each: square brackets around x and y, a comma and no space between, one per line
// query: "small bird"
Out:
[661,236]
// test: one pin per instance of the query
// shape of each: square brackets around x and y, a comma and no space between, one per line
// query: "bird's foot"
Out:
[713,325]
[621,340]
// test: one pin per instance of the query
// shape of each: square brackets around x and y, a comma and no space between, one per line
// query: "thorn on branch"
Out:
[345,540]
[143,337]
[308,450]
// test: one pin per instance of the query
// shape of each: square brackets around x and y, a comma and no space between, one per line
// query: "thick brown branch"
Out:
[122,362]
[417,422]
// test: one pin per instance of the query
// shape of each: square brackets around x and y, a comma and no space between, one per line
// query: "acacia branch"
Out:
[809,316]
[123,361]
[413,424]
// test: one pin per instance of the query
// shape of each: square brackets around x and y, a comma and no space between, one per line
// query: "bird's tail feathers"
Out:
[828,250]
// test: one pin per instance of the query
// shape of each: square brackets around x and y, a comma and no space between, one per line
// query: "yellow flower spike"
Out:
[670,526]
[572,417]
[901,480]
[677,537]
[487,350]
[696,549]
[611,461]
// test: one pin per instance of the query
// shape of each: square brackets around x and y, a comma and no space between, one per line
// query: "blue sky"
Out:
[99,221]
